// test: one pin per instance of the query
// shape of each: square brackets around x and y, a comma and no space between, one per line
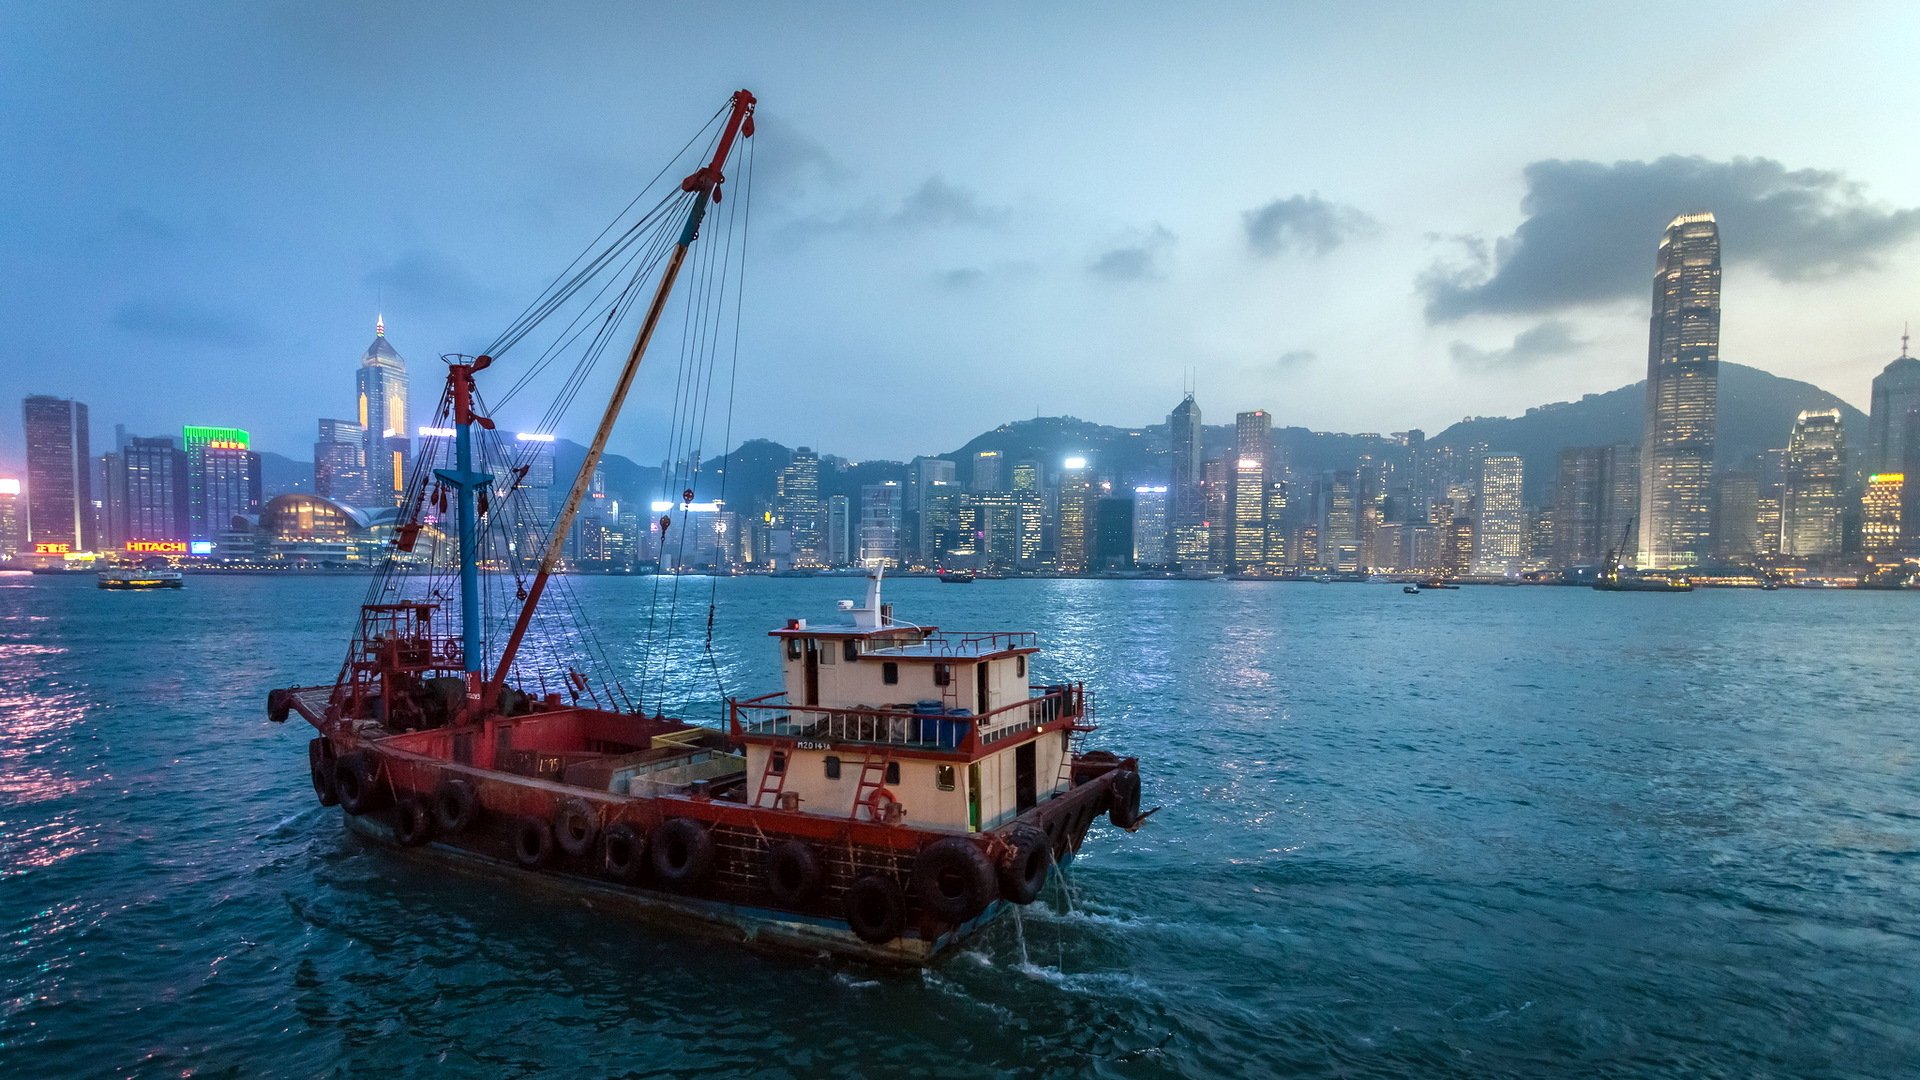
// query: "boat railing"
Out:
[971,643]
[772,715]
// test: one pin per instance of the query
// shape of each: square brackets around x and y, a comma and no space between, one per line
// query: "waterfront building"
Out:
[1456,556]
[1500,540]
[9,517]
[1275,544]
[1187,457]
[986,471]
[797,505]
[1253,435]
[1026,476]
[314,530]
[839,531]
[1152,543]
[59,477]
[1113,517]
[382,385]
[1249,515]
[1683,380]
[930,506]
[1217,503]
[880,523]
[223,479]
[154,478]
[340,462]
[1736,528]
[1076,506]
[1766,523]
[1896,397]
[1881,536]
[1340,531]
[109,502]
[1811,508]
[1578,507]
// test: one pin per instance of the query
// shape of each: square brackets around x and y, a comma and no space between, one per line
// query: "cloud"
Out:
[1303,223]
[935,204]
[787,162]
[186,321]
[428,280]
[1590,231]
[961,277]
[1295,358]
[1548,341]
[1135,260]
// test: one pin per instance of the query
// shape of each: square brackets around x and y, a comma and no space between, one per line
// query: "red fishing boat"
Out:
[902,787]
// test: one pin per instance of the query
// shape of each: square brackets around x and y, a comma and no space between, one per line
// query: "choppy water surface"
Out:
[1494,832]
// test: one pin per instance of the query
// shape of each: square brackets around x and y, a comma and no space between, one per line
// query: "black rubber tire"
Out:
[794,873]
[575,826]
[623,852]
[320,763]
[279,705]
[532,843]
[954,879]
[456,806]
[357,782]
[412,821]
[1023,872]
[876,909]
[1124,808]
[682,854]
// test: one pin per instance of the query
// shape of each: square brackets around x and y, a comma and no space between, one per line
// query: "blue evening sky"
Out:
[1362,217]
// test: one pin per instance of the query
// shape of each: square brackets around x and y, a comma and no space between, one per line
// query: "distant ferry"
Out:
[141,579]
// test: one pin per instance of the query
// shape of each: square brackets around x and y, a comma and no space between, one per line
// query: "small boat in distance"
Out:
[1436,583]
[956,577]
[1411,590]
[127,580]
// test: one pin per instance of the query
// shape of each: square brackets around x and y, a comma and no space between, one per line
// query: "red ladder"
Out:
[873,777]
[771,782]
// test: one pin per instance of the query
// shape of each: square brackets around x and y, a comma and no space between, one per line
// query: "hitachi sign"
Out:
[157,547]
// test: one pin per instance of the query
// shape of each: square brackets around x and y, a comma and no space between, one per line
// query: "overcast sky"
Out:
[1361,217]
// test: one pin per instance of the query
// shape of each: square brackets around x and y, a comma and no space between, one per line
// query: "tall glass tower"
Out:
[1896,396]
[1683,389]
[382,382]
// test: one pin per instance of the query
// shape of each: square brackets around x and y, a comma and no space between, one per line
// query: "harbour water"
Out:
[1493,832]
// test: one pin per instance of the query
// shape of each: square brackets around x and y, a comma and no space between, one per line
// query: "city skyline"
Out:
[916,253]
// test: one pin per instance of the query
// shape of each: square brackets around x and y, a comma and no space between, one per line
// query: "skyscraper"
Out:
[9,516]
[1253,435]
[1249,515]
[1112,546]
[1896,396]
[1501,538]
[799,505]
[223,479]
[155,472]
[382,382]
[340,463]
[1811,508]
[1151,542]
[1683,381]
[59,476]
[839,530]
[1880,507]
[986,471]
[880,523]
[1187,501]
[1076,507]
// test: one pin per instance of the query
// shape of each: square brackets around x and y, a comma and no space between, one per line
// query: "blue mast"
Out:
[466,484]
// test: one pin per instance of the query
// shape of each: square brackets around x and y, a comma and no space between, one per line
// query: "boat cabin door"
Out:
[980,681]
[1025,783]
[813,674]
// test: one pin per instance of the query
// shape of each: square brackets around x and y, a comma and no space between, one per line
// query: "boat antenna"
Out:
[704,184]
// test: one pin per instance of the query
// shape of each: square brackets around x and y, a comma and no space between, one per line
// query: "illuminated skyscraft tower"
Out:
[1683,388]
[382,382]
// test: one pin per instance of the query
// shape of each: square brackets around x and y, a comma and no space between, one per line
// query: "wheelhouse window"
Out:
[890,673]
[793,648]
[893,772]
[942,674]
[850,649]
[1020,665]
[777,763]
[833,767]
[943,777]
[826,656]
